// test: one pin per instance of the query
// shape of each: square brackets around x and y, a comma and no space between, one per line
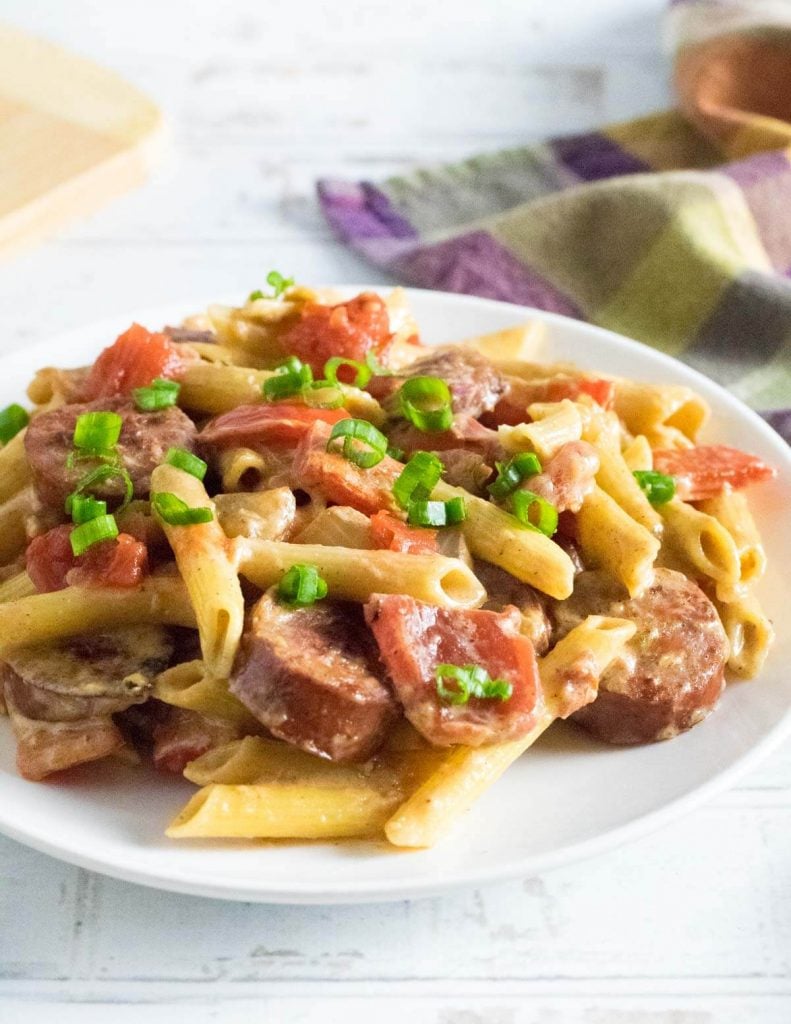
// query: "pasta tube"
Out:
[16,586]
[497,537]
[265,514]
[749,632]
[554,424]
[645,407]
[14,468]
[210,388]
[703,542]
[13,516]
[203,556]
[616,479]
[731,510]
[355,575]
[338,526]
[188,686]
[610,539]
[467,772]
[518,344]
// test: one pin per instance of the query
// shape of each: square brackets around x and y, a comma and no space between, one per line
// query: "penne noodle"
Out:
[467,772]
[610,539]
[645,407]
[731,510]
[749,632]
[268,515]
[242,469]
[512,345]
[75,610]
[338,526]
[616,479]
[638,455]
[703,542]
[499,538]
[203,556]
[209,388]
[354,575]
[554,424]
[14,513]
[14,469]
[188,686]
[19,585]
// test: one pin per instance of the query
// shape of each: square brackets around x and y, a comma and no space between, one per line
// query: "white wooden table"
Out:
[690,925]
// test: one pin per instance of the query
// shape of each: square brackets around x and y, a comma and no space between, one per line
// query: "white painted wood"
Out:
[689,926]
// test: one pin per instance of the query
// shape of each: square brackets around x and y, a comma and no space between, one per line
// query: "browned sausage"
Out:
[671,673]
[310,675]
[144,441]
[503,589]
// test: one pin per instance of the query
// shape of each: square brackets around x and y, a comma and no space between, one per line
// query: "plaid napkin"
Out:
[674,229]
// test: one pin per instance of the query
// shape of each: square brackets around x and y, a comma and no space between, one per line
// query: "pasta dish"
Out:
[340,580]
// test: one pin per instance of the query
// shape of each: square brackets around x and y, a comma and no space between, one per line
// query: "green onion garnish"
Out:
[534,512]
[376,367]
[362,372]
[426,403]
[98,476]
[12,419]
[257,294]
[417,479]
[90,533]
[302,586]
[161,394]
[289,379]
[182,459]
[358,441]
[97,431]
[175,512]
[278,283]
[436,513]
[84,507]
[659,488]
[396,453]
[510,474]
[322,394]
[470,681]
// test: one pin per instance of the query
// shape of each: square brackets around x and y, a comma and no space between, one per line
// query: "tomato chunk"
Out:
[51,565]
[340,481]
[707,470]
[392,534]
[278,423]
[133,361]
[350,329]
[512,407]
[414,638]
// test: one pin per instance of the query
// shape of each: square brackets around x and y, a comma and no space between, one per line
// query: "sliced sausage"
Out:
[671,673]
[311,676]
[504,590]
[144,441]
[414,638]
[476,385]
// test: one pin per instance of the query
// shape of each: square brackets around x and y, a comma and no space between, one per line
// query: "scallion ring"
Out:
[417,479]
[182,459]
[301,586]
[175,512]
[469,681]
[510,474]
[426,403]
[99,476]
[84,507]
[436,513]
[93,532]
[534,512]
[160,394]
[322,394]
[12,419]
[659,488]
[358,441]
[289,378]
[362,373]
[97,431]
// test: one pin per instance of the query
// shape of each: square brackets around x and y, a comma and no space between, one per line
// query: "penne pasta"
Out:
[16,586]
[14,469]
[243,469]
[189,686]
[638,455]
[611,539]
[616,479]
[467,772]
[750,634]
[14,513]
[702,541]
[268,515]
[354,575]
[209,388]
[512,345]
[554,424]
[338,526]
[731,510]
[645,407]
[203,556]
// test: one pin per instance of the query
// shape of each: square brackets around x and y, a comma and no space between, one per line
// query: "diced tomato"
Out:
[707,470]
[48,558]
[512,407]
[414,638]
[133,361]
[391,534]
[277,423]
[350,329]
[51,565]
[340,481]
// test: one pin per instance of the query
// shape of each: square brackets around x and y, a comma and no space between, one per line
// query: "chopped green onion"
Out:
[417,479]
[376,367]
[358,441]
[98,476]
[93,532]
[436,513]
[255,295]
[12,419]
[322,394]
[182,459]
[161,394]
[175,512]
[470,681]
[278,283]
[396,453]
[362,373]
[97,431]
[84,507]
[302,586]
[426,403]
[289,379]
[534,512]
[510,474]
[659,488]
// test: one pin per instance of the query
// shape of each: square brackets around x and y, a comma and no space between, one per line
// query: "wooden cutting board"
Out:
[72,136]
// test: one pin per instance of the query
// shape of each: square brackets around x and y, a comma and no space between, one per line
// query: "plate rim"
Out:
[382,890]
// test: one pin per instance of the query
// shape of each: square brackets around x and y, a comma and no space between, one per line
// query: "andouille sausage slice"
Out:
[504,590]
[143,444]
[476,385]
[311,676]
[414,638]
[671,673]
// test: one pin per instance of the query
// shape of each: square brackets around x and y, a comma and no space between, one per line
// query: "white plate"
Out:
[567,798]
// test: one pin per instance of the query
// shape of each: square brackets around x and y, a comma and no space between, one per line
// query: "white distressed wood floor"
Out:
[688,926]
